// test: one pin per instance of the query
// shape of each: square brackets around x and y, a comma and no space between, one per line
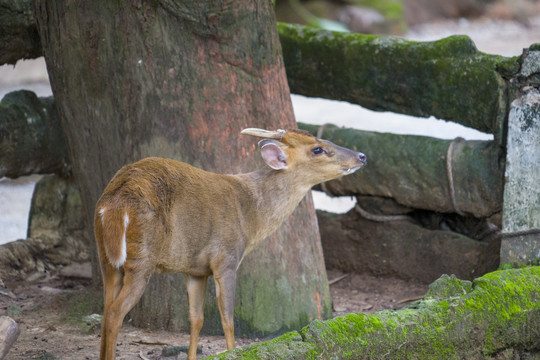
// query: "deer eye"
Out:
[317,151]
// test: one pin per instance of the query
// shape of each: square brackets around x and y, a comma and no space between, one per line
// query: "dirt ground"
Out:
[50,330]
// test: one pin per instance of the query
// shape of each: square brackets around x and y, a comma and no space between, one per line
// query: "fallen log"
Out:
[449,79]
[493,317]
[31,137]
[404,249]
[413,170]
[19,38]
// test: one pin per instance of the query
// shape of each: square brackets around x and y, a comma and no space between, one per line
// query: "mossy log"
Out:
[412,170]
[19,38]
[31,138]
[449,79]
[493,317]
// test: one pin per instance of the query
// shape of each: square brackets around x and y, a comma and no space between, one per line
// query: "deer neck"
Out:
[275,194]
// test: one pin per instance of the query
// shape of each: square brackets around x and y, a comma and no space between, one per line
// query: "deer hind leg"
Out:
[225,289]
[112,284]
[134,283]
[196,289]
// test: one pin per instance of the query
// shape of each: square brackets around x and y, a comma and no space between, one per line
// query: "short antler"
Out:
[267,134]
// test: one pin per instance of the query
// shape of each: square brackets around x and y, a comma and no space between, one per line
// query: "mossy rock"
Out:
[495,315]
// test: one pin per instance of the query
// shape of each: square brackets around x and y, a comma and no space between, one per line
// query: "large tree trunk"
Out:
[180,80]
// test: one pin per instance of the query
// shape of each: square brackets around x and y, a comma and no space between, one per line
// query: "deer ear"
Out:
[273,154]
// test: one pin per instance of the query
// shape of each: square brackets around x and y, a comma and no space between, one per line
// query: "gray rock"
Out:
[521,208]
[77,270]
[9,332]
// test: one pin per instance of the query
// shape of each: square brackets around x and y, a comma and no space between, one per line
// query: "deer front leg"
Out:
[196,288]
[225,290]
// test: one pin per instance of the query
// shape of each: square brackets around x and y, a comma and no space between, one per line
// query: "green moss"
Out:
[449,78]
[534,47]
[508,66]
[371,336]
[286,346]
[475,320]
[508,266]
[448,286]
[511,298]
[432,328]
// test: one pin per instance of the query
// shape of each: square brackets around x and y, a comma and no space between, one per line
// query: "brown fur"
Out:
[112,224]
[184,219]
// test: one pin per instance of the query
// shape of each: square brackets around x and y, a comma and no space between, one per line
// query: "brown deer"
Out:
[161,215]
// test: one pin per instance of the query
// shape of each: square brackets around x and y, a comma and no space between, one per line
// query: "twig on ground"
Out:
[339,278]
[414,298]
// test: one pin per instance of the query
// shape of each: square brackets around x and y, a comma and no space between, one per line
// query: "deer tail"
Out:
[114,224]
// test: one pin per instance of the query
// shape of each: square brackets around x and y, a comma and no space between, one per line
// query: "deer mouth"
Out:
[350,170]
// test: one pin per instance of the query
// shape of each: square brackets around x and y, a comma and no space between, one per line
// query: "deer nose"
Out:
[362,158]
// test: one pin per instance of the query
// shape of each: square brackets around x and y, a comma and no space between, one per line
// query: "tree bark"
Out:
[180,80]
[31,139]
